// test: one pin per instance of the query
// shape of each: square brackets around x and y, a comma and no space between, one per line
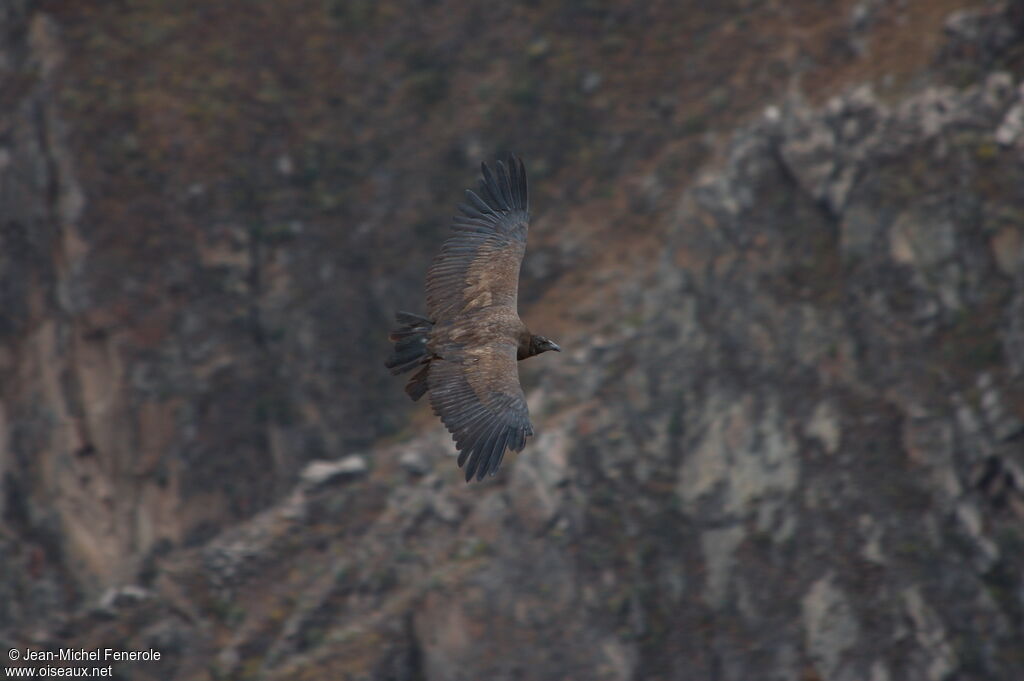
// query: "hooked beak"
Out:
[554,346]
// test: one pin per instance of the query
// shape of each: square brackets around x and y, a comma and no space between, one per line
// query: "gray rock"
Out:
[1012,125]
[414,462]
[120,597]
[930,633]
[318,473]
[922,239]
[830,626]
[825,427]
[719,549]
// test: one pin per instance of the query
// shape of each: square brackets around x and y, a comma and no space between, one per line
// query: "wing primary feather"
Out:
[467,223]
[509,169]
[513,441]
[473,438]
[505,184]
[462,432]
[470,212]
[492,187]
[484,453]
[499,451]
[486,447]
[473,458]
[470,468]
[497,463]
[470,421]
[472,443]
[480,204]
[520,440]
[513,176]
[480,427]
[524,188]
[493,198]
[486,450]
[465,450]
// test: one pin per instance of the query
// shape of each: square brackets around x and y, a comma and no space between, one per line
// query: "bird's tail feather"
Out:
[417,385]
[410,340]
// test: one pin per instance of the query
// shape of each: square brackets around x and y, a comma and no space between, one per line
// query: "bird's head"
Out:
[539,344]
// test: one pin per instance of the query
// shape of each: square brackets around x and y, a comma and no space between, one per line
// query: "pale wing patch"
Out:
[493,277]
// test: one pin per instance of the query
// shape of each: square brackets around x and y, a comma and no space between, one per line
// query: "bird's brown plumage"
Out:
[467,349]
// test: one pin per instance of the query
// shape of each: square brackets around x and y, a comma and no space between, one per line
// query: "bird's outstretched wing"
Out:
[476,393]
[478,265]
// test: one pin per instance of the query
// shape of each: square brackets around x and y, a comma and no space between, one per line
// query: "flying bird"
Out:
[467,347]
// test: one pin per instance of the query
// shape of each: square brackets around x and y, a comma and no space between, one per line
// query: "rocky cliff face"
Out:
[786,441]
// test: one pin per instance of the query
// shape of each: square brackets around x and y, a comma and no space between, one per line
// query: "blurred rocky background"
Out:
[781,243]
